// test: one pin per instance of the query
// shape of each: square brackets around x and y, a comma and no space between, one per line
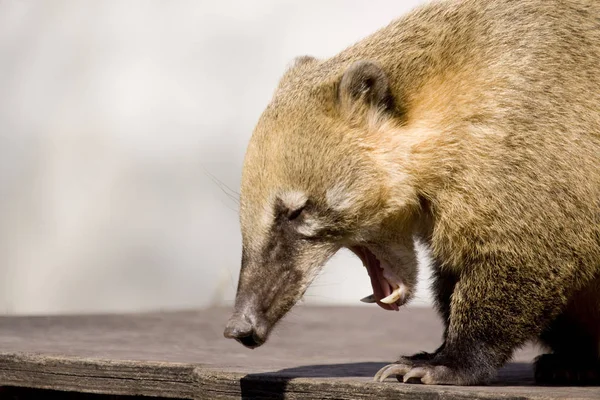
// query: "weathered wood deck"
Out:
[317,352]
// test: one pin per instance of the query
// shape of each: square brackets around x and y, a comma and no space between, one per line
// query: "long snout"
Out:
[270,283]
[243,328]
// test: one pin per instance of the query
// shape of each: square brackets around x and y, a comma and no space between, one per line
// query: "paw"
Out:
[556,369]
[422,372]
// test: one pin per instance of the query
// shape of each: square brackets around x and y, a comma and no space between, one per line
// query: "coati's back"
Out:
[525,177]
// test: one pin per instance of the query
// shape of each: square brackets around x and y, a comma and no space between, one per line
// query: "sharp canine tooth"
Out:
[394,297]
[369,299]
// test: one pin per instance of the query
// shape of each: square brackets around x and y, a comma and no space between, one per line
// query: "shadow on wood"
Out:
[276,384]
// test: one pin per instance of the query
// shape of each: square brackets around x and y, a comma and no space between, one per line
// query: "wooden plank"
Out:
[319,352]
[97,376]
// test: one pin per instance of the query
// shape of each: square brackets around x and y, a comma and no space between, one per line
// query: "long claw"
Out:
[414,373]
[378,374]
[391,369]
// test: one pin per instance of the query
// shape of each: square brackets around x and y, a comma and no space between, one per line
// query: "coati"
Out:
[472,126]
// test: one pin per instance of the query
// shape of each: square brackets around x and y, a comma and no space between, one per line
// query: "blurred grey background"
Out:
[123,126]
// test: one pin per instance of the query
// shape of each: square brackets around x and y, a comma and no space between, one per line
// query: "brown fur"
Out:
[474,125]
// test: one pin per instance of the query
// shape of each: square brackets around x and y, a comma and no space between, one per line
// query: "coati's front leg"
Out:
[443,283]
[490,315]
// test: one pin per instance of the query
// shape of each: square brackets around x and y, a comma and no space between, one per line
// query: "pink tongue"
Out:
[381,287]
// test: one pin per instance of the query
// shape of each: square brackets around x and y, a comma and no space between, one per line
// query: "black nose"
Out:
[248,341]
[240,329]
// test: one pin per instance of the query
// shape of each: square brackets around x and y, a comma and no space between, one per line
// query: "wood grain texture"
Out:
[318,352]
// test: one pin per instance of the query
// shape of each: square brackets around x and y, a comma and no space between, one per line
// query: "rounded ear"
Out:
[364,82]
[299,61]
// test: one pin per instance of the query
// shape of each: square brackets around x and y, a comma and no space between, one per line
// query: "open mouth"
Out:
[389,292]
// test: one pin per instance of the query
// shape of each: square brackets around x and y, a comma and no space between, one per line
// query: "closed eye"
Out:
[295,213]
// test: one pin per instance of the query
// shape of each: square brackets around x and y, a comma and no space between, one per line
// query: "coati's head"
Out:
[322,171]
